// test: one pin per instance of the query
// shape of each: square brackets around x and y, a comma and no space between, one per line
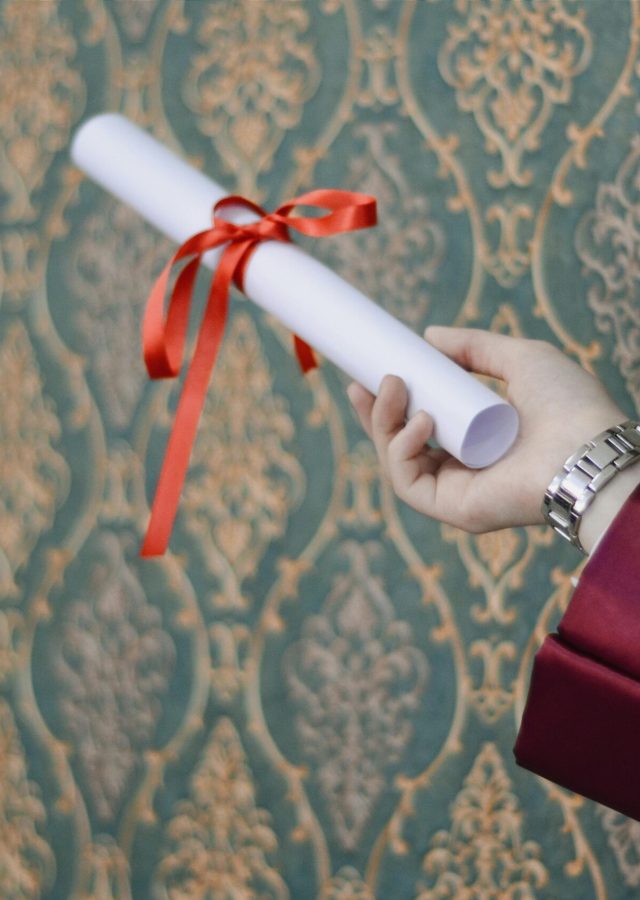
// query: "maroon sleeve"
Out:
[581,722]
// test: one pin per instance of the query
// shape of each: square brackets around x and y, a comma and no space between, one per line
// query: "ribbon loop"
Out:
[348,212]
[164,337]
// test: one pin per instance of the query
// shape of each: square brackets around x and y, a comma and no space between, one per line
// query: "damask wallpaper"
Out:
[315,694]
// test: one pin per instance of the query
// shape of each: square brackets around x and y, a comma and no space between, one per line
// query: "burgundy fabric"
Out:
[603,616]
[581,727]
[581,723]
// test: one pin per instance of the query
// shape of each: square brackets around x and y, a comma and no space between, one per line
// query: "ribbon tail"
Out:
[306,356]
[190,405]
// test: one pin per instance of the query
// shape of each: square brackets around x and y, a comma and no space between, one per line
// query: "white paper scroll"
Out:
[471,422]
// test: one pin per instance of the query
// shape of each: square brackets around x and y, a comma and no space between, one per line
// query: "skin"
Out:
[561,407]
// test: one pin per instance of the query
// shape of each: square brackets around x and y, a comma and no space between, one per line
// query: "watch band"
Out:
[585,473]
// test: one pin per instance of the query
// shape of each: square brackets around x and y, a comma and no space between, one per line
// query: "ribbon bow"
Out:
[163,338]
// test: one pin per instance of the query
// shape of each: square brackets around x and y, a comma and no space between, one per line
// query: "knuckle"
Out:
[473,522]
[473,339]
[476,350]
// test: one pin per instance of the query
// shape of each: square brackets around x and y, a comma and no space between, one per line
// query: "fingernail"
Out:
[387,379]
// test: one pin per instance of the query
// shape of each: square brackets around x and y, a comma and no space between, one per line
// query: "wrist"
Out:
[605,507]
[587,474]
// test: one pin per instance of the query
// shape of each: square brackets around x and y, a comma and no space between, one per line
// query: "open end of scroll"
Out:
[490,435]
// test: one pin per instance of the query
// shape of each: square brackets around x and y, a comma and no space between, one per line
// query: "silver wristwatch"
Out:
[585,473]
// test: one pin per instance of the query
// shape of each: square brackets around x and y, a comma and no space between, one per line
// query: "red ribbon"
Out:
[163,338]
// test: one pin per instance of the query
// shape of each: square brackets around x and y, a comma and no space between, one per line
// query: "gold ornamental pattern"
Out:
[115,259]
[220,843]
[112,662]
[34,476]
[355,678]
[244,480]
[511,63]
[608,244]
[398,261]
[134,16]
[346,884]
[26,860]
[107,868]
[41,96]
[249,83]
[484,854]
[11,625]
[623,836]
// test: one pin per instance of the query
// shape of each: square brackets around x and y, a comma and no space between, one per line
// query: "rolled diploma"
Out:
[472,422]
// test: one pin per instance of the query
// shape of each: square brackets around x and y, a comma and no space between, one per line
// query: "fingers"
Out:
[410,439]
[400,445]
[410,461]
[382,417]
[484,352]
[388,413]
[414,469]
[362,401]
[388,416]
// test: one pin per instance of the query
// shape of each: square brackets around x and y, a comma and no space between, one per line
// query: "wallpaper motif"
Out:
[315,693]
[484,853]
[511,63]
[356,679]
[110,330]
[401,256]
[26,860]
[249,84]
[37,109]
[608,242]
[221,838]
[35,476]
[112,667]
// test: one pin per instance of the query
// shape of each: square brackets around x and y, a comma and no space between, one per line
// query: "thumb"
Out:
[476,350]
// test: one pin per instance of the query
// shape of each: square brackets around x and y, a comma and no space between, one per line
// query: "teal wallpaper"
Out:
[315,694]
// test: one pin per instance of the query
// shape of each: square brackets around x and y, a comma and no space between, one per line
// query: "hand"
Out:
[561,407]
